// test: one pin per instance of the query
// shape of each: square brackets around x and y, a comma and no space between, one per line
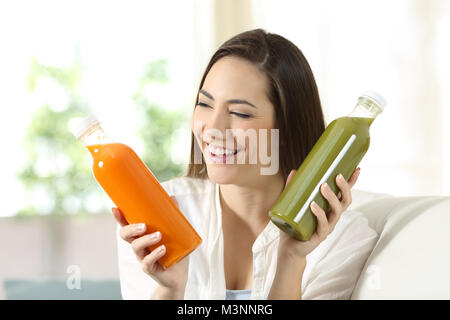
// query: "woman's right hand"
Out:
[172,281]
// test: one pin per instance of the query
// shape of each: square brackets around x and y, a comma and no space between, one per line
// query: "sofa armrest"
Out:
[411,258]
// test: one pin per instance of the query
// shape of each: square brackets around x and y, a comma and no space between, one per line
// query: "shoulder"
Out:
[354,224]
[335,265]
[351,235]
[352,230]
[352,240]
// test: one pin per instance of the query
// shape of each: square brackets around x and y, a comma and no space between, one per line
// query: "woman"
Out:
[257,82]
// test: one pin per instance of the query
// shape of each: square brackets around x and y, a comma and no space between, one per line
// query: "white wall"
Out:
[399,48]
[43,246]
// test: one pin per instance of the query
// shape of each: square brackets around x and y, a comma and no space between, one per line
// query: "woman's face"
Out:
[227,123]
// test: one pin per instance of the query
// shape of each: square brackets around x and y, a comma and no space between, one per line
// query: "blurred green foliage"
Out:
[58,166]
[158,123]
[48,142]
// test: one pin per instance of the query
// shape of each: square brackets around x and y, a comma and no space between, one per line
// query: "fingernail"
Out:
[326,185]
[155,235]
[314,204]
[161,248]
[340,177]
[140,227]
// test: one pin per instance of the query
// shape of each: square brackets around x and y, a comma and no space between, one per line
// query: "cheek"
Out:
[267,140]
[263,131]
[202,115]
[257,135]
[197,122]
[196,115]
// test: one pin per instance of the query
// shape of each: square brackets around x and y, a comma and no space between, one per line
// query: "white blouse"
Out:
[238,294]
[332,269]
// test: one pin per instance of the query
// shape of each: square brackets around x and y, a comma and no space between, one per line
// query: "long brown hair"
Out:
[292,91]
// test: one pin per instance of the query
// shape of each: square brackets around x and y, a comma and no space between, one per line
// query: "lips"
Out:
[219,154]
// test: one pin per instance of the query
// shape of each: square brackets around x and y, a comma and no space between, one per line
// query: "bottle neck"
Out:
[95,135]
[365,108]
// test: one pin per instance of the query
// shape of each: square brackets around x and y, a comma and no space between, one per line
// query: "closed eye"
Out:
[201,104]
[240,115]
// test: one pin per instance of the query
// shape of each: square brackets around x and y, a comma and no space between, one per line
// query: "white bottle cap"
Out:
[84,126]
[375,97]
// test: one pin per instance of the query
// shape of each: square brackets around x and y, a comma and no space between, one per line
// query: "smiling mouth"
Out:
[219,154]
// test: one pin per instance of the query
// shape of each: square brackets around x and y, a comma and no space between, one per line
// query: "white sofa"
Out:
[411,259]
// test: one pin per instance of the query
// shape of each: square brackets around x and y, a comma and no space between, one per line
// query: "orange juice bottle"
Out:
[137,193]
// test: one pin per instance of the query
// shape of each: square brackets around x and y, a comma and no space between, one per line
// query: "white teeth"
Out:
[220,151]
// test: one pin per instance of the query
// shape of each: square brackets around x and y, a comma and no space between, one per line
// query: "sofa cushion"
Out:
[56,289]
[411,259]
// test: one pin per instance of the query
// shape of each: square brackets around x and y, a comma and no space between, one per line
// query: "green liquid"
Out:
[345,133]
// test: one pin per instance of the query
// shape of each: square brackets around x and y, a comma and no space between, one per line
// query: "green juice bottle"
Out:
[339,150]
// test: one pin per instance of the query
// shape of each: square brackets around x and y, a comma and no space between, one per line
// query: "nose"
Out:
[216,125]
[218,119]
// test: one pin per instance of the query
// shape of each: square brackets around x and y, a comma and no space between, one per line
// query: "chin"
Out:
[224,174]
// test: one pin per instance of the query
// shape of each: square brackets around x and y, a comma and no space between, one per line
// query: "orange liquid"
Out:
[136,192]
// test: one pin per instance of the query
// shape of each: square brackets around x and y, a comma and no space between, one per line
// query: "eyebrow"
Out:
[231,101]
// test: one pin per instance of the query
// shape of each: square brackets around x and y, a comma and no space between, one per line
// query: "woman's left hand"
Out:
[292,248]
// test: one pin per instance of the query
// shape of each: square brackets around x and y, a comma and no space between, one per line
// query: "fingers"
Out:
[338,204]
[346,195]
[322,229]
[132,231]
[141,244]
[290,176]
[149,262]
[336,207]
[335,204]
[120,218]
[354,177]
